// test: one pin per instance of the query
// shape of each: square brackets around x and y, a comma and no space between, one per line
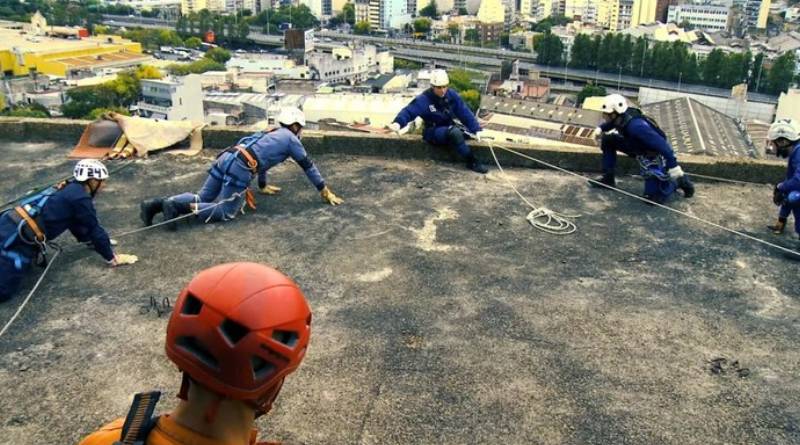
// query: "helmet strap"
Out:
[183,394]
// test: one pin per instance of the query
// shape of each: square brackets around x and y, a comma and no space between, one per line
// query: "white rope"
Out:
[30,294]
[541,218]
[713,224]
[717,178]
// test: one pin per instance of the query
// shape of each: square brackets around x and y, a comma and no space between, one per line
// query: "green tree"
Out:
[97,113]
[472,36]
[554,20]
[581,55]
[505,69]
[422,25]
[712,67]
[219,55]
[781,74]
[639,56]
[361,28]
[590,90]
[472,98]
[549,50]
[757,79]
[193,42]
[454,30]
[460,80]
[463,11]
[430,10]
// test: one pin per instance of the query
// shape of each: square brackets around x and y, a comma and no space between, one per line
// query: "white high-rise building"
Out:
[492,11]
[705,17]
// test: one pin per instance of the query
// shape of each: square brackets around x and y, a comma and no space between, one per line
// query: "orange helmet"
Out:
[238,329]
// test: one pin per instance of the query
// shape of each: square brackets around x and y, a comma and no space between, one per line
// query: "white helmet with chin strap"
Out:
[614,103]
[89,169]
[292,115]
[439,78]
[784,128]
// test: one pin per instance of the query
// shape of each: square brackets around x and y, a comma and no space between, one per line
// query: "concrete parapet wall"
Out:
[412,147]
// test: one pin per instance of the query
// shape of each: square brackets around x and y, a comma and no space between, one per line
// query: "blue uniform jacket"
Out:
[792,181]
[438,112]
[274,147]
[72,208]
[641,137]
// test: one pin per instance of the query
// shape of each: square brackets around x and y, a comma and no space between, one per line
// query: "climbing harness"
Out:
[793,253]
[27,219]
[541,218]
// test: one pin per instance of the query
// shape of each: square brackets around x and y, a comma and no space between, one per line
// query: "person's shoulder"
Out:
[106,435]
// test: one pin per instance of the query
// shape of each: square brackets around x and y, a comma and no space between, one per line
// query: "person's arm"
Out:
[86,216]
[298,153]
[409,113]
[792,183]
[262,178]
[605,127]
[645,136]
[464,114]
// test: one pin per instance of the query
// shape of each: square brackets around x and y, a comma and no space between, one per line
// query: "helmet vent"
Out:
[192,346]
[261,367]
[192,305]
[233,331]
[288,338]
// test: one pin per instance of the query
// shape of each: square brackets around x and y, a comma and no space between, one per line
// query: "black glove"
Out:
[778,196]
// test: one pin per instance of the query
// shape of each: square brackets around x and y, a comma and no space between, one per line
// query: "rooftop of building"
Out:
[15,39]
[694,128]
[440,314]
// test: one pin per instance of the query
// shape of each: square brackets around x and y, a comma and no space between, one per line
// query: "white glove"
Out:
[480,135]
[597,134]
[675,172]
[121,259]
[394,126]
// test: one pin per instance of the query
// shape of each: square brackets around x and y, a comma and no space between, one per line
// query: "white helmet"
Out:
[439,78]
[292,115]
[89,169]
[784,128]
[614,103]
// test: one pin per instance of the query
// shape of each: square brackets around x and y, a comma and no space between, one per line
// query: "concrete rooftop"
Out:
[440,315]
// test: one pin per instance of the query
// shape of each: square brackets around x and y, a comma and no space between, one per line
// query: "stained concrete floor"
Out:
[440,315]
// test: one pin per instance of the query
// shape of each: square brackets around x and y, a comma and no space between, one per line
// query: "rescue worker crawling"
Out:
[438,107]
[628,130]
[236,332]
[26,229]
[223,194]
[784,137]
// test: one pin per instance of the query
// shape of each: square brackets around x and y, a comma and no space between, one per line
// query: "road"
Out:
[443,55]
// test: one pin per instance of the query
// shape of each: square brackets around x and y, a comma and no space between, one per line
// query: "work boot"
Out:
[173,210]
[150,208]
[477,166]
[607,179]
[686,185]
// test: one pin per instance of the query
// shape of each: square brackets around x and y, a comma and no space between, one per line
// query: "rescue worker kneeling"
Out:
[639,136]
[784,136]
[223,194]
[26,229]
[236,332]
[438,107]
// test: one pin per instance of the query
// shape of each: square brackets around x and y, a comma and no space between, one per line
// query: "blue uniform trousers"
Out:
[227,180]
[451,135]
[10,274]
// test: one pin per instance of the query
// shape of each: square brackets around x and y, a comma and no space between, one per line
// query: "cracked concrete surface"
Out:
[440,314]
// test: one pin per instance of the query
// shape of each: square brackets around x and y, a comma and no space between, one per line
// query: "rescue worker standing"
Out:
[639,136]
[236,332]
[223,194]
[439,106]
[784,136]
[26,229]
